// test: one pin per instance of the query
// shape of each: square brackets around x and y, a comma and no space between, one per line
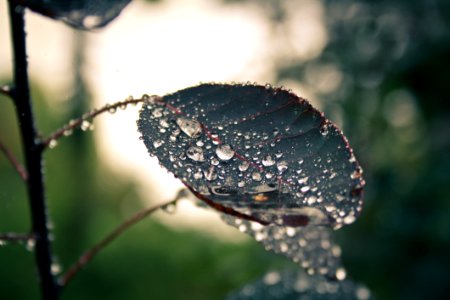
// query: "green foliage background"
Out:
[400,246]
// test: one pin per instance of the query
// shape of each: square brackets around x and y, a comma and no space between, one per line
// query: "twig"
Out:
[13,160]
[15,237]
[32,153]
[91,253]
[81,122]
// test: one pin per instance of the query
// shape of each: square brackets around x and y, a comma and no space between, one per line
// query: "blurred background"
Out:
[379,69]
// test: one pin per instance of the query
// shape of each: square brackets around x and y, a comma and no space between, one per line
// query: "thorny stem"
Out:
[33,154]
[15,237]
[88,116]
[13,160]
[91,253]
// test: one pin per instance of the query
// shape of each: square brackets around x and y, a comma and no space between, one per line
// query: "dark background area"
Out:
[393,59]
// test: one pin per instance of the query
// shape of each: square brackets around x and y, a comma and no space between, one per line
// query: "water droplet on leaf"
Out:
[282,166]
[191,128]
[244,166]
[256,176]
[224,152]
[195,153]
[268,161]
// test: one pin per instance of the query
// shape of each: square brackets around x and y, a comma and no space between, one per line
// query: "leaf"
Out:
[310,246]
[293,285]
[82,14]
[256,152]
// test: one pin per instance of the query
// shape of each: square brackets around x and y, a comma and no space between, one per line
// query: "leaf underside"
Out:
[294,285]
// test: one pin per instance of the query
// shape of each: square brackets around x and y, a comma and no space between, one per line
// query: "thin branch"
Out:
[91,253]
[84,120]
[32,154]
[15,237]
[13,160]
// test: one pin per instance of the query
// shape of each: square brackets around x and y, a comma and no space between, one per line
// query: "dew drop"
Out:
[336,251]
[339,198]
[312,200]
[169,208]
[272,278]
[214,161]
[191,128]
[112,109]
[282,166]
[340,274]
[85,125]
[52,144]
[349,219]
[30,244]
[164,123]
[210,174]
[157,112]
[284,247]
[157,144]
[356,174]
[244,166]
[290,231]
[305,188]
[195,153]
[268,161]
[256,176]
[68,132]
[224,152]
[242,228]
[55,268]
[303,180]
[362,293]
[198,175]
[259,236]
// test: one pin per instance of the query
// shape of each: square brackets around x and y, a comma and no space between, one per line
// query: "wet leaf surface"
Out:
[258,151]
[294,285]
[311,246]
[83,14]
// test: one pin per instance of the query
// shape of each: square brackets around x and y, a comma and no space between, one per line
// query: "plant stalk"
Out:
[33,151]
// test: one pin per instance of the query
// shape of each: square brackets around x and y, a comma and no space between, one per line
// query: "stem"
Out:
[91,253]
[88,116]
[13,160]
[33,155]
